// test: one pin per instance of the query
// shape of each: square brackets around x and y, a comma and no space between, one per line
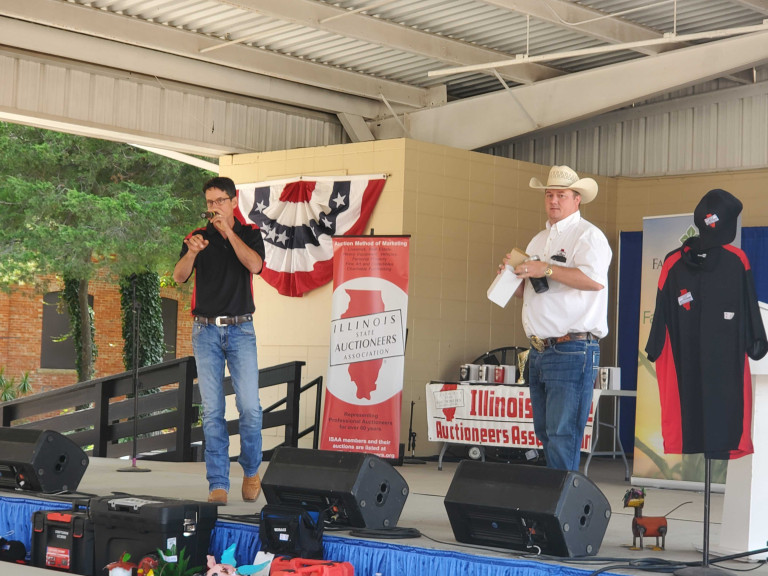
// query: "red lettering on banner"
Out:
[484,403]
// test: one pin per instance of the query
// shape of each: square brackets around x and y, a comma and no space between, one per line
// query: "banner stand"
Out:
[363,395]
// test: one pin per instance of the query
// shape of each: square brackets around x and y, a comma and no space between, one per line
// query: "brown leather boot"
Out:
[251,488]
[218,496]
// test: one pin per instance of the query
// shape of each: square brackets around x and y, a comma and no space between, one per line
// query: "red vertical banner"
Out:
[364,392]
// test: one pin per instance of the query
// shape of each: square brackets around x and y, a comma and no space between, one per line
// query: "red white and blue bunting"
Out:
[299,216]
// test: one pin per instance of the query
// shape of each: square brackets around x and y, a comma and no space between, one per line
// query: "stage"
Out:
[436,550]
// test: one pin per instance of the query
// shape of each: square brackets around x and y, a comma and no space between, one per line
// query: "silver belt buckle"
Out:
[219,320]
[537,343]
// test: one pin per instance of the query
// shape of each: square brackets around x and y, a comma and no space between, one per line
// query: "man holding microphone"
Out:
[224,256]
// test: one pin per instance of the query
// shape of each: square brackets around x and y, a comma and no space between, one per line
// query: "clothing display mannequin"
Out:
[705,327]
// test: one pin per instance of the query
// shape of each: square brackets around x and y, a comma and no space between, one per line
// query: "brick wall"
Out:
[21,329]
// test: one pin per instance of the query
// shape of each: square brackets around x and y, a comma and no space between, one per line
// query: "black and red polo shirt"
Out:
[705,327]
[223,286]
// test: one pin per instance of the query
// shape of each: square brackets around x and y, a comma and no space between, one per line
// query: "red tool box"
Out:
[284,566]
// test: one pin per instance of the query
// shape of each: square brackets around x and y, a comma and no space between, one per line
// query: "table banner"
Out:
[488,416]
[363,396]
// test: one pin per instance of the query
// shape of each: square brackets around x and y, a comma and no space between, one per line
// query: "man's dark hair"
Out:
[222,183]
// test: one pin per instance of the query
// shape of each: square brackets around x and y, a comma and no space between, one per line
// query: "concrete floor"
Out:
[424,509]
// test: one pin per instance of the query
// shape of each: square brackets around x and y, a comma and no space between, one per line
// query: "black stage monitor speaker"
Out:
[527,508]
[349,488]
[40,461]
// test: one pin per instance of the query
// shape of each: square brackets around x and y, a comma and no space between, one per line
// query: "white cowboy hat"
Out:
[564,178]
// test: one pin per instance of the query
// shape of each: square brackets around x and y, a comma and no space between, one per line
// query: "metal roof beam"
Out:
[84,22]
[355,127]
[757,5]
[321,16]
[181,157]
[484,120]
[149,141]
[586,20]
[134,60]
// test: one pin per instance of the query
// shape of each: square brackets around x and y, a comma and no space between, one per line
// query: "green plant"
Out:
[75,297]
[151,342]
[173,564]
[10,389]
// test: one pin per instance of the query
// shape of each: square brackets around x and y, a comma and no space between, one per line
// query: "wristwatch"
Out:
[548,271]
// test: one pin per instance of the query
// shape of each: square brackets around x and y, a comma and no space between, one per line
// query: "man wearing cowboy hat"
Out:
[565,322]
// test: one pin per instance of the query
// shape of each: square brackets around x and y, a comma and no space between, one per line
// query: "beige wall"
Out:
[464,211]
[639,197]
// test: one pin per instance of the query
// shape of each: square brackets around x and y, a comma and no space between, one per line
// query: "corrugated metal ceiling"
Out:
[487,25]
[367,63]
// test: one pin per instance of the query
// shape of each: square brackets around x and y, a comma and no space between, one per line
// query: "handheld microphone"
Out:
[207,215]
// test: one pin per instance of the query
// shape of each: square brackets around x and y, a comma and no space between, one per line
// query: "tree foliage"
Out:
[73,205]
[70,206]
[149,314]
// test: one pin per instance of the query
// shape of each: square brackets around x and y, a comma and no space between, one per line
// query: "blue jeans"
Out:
[235,345]
[561,381]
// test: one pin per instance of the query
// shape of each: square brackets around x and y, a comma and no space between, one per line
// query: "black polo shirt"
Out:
[705,325]
[223,286]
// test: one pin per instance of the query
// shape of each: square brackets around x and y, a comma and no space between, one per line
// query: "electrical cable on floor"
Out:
[471,546]
[331,527]
[386,533]
[244,518]
[739,555]
[646,565]
[70,496]
[667,566]
[760,564]
[63,495]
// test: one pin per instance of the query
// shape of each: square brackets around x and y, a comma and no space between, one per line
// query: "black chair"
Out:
[506,355]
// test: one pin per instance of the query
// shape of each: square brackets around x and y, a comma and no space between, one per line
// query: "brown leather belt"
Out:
[224,320]
[541,344]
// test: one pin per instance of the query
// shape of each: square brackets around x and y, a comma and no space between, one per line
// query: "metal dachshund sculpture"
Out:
[644,526]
